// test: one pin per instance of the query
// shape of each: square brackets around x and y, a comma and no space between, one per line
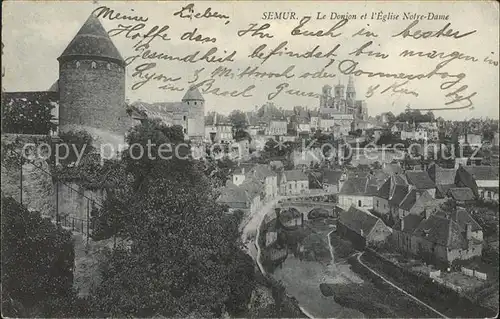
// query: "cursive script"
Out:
[319,33]
[443,32]
[188,12]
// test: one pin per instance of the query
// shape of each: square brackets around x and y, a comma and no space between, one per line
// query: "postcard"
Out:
[275,159]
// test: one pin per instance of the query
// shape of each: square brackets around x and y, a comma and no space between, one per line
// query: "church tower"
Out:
[92,82]
[339,91]
[325,97]
[195,104]
[350,90]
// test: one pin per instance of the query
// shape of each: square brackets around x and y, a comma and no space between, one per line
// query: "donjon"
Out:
[92,82]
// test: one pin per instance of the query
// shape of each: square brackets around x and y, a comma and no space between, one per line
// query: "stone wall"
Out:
[37,186]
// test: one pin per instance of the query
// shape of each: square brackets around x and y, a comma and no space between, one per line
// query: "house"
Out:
[358,191]
[293,182]
[381,199]
[461,195]
[385,196]
[440,237]
[277,128]
[482,180]
[421,181]
[431,128]
[415,202]
[399,127]
[234,197]
[266,175]
[443,178]
[332,179]
[326,124]
[362,228]
[255,193]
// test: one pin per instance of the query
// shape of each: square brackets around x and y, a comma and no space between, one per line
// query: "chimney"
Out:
[402,221]
[468,231]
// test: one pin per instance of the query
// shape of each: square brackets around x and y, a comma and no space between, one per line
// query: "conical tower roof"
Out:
[193,94]
[92,41]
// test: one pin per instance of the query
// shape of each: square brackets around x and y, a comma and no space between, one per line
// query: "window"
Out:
[93,65]
[195,103]
[184,117]
[108,66]
[359,203]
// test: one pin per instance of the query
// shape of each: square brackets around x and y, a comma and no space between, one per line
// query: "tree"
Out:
[77,142]
[31,116]
[185,251]
[238,119]
[37,264]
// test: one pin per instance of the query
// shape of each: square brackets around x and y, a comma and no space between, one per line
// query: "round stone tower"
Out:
[92,82]
[195,104]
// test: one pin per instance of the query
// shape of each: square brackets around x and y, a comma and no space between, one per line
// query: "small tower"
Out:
[326,95]
[350,90]
[339,91]
[92,82]
[195,105]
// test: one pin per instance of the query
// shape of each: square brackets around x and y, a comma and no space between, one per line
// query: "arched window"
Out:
[195,103]
[93,65]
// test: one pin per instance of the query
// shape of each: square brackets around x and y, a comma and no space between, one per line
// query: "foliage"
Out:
[30,116]
[77,142]
[241,134]
[218,170]
[415,116]
[185,257]
[37,264]
[238,119]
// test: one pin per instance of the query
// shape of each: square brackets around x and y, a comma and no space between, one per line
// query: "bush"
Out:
[37,264]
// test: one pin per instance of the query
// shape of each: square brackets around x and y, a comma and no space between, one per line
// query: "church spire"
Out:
[350,90]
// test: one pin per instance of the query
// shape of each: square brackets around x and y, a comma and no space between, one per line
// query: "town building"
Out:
[358,191]
[362,228]
[293,182]
[440,237]
[277,128]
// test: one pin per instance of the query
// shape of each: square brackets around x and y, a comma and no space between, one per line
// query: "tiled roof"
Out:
[400,192]
[233,194]
[193,94]
[414,202]
[92,41]
[483,172]
[419,179]
[357,220]
[295,175]
[384,191]
[262,171]
[461,193]
[160,108]
[462,218]
[441,176]
[331,176]
[442,231]
[392,169]
[411,221]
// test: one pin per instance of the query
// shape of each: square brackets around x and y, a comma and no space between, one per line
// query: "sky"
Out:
[34,34]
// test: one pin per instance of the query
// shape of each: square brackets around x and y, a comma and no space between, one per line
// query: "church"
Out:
[90,92]
[342,102]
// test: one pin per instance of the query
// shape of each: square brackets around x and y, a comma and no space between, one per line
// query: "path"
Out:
[393,285]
